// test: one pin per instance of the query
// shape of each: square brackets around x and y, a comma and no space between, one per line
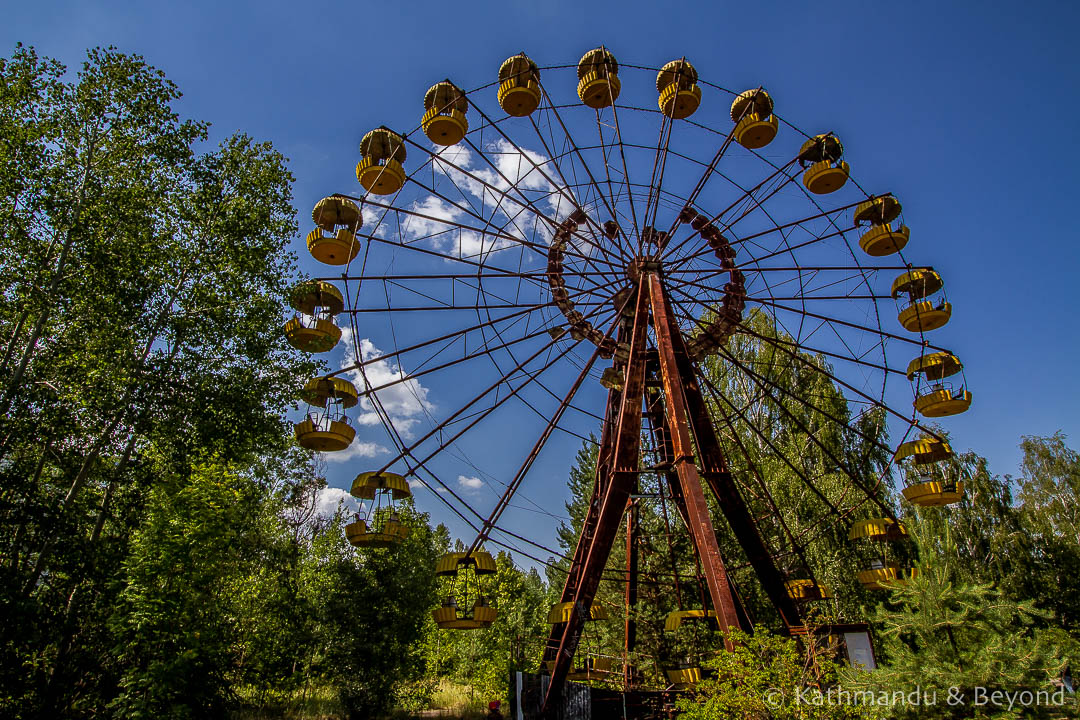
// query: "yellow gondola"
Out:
[449,616]
[561,612]
[479,561]
[382,156]
[923,451]
[444,120]
[314,329]
[465,606]
[598,79]
[519,86]
[755,124]
[686,673]
[679,94]
[885,577]
[933,493]
[326,428]
[927,482]
[333,241]
[324,391]
[881,573]
[390,533]
[881,239]
[941,398]
[880,210]
[683,677]
[593,668]
[880,529]
[368,484]
[926,307]
[611,378]
[674,620]
[825,171]
[593,665]
[385,528]
[807,590]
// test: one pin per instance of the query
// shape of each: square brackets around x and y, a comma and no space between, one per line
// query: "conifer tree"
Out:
[958,641]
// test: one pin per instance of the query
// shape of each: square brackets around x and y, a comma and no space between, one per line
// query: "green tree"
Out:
[173,641]
[144,289]
[372,613]
[770,677]
[802,457]
[941,632]
[482,659]
[1050,517]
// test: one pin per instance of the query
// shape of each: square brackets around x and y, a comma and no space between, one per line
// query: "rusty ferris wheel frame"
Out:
[633,271]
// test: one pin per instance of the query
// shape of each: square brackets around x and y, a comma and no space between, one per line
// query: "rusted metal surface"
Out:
[588,528]
[700,523]
[631,590]
[624,466]
[684,437]
[715,473]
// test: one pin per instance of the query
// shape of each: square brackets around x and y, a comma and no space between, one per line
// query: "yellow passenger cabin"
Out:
[326,427]
[466,606]
[378,524]
[313,329]
[921,300]
[519,86]
[598,79]
[680,95]
[881,572]
[333,241]
[382,157]
[881,239]
[930,479]
[755,124]
[824,170]
[444,120]
[936,396]
[806,590]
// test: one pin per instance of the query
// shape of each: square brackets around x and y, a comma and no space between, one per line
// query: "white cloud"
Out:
[497,189]
[417,484]
[470,483]
[330,498]
[357,450]
[437,228]
[405,402]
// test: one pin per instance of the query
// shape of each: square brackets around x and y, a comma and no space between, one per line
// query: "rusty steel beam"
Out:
[655,404]
[701,527]
[657,419]
[588,527]
[623,473]
[630,623]
[720,481]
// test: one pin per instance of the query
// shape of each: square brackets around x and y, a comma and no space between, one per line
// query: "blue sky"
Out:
[964,110]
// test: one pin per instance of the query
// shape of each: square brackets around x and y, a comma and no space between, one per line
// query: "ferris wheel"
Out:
[643,255]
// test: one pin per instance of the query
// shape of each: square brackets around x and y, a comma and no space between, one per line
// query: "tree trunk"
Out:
[103,438]
[52,703]
[54,284]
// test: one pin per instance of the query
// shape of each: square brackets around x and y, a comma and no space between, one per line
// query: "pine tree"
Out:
[954,639]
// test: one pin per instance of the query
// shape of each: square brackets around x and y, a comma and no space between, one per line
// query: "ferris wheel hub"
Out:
[643,264]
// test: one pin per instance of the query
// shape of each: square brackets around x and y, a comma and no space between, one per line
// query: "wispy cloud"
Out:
[496,190]
[357,450]
[405,402]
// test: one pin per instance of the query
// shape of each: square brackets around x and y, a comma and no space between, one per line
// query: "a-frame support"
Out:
[688,428]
